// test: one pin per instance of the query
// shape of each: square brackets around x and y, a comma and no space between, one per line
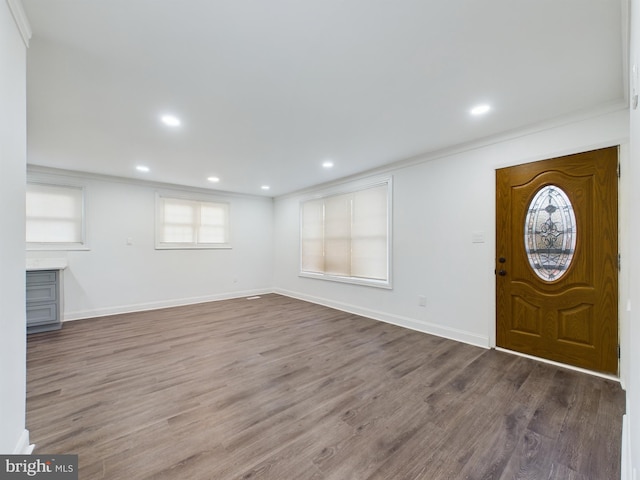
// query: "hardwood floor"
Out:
[276,388]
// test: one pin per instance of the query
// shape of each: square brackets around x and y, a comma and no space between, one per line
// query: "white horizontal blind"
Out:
[313,236]
[346,236]
[54,215]
[369,244]
[214,223]
[337,235]
[185,223]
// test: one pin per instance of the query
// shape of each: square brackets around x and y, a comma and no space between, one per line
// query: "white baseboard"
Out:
[23,447]
[406,322]
[627,471]
[178,302]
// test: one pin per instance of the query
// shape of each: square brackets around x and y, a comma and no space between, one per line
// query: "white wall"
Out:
[114,277]
[13,436]
[632,442]
[439,202]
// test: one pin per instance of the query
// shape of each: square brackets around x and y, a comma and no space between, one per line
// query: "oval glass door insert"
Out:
[550,233]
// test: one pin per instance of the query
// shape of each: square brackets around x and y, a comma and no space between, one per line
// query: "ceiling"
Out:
[267,91]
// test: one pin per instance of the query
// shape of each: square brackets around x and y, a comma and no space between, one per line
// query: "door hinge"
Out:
[618,352]
[619,170]
[619,263]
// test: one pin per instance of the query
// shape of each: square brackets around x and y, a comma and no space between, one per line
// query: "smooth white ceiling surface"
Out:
[269,89]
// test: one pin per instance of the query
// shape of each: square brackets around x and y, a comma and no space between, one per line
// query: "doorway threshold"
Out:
[607,376]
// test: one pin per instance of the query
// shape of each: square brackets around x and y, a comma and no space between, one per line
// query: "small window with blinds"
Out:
[54,217]
[183,223]
[346,236]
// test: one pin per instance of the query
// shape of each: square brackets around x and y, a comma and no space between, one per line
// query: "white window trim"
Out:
[350,188]
[83,245]
[188,246]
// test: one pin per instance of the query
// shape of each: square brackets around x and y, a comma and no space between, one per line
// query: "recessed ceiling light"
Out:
[265,187]
[480,109]
[170,120]
[327,164]
[142,168]
[213,179]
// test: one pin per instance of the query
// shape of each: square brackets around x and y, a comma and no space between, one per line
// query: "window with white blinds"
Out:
[346,236]
[186,223]
[54,217]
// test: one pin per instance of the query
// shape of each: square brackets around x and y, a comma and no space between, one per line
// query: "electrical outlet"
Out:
[422,301]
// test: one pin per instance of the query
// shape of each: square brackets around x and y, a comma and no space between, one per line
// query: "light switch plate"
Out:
[477,237]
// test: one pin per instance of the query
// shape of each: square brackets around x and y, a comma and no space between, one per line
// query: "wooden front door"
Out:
[557,259]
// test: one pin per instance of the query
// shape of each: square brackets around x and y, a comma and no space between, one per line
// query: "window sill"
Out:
[386,284]
[56,248]
[193,247]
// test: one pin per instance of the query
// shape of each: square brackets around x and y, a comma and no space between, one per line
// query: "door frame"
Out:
[624,207]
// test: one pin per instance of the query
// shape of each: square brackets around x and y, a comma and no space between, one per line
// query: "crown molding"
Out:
[387,169]
[20,17]
[43,173]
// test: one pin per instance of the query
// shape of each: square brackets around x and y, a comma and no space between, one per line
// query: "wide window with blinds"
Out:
[187,223]
[346,236]
[54,217]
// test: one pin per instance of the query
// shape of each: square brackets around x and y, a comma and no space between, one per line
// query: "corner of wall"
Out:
[22,22]
[401,321]
[23,447]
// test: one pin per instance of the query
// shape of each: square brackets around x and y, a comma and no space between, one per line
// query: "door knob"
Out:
[502,259]
[502,273]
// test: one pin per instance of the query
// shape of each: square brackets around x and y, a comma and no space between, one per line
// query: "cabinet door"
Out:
[42,293]
[41,277]
[42,314]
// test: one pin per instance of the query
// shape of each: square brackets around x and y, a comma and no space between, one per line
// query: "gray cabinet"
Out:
[43,300]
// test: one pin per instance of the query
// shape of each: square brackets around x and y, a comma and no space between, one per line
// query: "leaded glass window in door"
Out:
[550,233]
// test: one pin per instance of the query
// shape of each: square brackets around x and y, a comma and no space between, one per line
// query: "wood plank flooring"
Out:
[277,388]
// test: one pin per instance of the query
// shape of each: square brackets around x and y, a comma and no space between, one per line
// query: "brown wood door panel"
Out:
[571,318]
